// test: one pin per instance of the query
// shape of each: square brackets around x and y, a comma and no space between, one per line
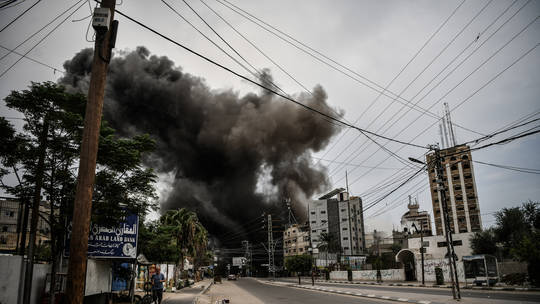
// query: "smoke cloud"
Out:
[229,157]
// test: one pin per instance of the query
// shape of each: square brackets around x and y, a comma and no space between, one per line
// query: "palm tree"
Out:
[329,243]
[190,235]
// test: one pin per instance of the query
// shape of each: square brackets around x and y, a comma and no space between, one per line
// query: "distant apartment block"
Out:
[296,240]
[462,199]
[341,217]
[11,220]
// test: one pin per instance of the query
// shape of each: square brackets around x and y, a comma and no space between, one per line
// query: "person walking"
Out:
[157,285]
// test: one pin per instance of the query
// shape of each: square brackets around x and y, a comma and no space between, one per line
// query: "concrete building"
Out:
[462,199]
[296,240]
[421,219]
[342,217]
[436,245]
[11,218]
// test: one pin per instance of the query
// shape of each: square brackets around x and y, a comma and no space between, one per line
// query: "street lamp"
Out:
[414,160]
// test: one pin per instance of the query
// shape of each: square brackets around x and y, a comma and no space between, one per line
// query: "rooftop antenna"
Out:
[450,126]
[347,183]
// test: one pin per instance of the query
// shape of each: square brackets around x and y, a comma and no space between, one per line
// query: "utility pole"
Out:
[271,266]
[448,232]
[247,255]
[85,181]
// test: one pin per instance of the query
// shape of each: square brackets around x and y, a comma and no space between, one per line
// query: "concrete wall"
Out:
[370,275]
[10,290]
[433,251]
[11,273]
[429,270]
[98,277]
[387,275]
[338,275]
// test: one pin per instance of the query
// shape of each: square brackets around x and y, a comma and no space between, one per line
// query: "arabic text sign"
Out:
[112,242]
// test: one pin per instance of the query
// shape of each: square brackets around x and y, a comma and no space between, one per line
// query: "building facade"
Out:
[460,187]
[420,219]
[11,222]
[341,217]
[296,240]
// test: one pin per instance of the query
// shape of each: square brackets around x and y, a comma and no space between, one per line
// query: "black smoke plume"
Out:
[228,157]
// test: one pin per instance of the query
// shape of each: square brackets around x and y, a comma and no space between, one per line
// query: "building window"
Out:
[345,238]
[300,249]
[323,230]
[4,229]
[313,231]
[313,212]
[323,212]
[345,248]
[313,222]
[345,228]
[344,219]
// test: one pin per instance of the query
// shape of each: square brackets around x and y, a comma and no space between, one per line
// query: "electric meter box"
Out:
[101,19]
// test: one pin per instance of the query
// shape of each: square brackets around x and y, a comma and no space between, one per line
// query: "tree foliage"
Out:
[299,263]
[484,242]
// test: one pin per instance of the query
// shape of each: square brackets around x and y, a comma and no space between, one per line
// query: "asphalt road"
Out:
[271,294]
[447,292]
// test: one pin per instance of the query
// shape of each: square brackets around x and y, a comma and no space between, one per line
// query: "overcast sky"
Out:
[375,40]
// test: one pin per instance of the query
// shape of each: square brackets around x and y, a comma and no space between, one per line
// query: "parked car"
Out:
[231,277]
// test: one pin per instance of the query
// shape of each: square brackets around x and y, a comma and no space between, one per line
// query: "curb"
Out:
[196,299]
[434,286]
[356,294]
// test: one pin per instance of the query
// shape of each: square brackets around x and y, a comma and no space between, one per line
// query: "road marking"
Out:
[371,296]
[424,302]
[403,300]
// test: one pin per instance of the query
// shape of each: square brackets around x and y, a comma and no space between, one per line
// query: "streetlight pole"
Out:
[422,249]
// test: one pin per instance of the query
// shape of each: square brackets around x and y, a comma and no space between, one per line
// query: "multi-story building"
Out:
[460,188]
[420,219]
[11,221]
[341,217]
[296,240]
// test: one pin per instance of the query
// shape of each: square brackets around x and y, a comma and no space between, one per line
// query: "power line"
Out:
[19,16]
[34,60]
[42,28]
[263,86]
[41,40]
[398,98]
[457,66]
[524,170]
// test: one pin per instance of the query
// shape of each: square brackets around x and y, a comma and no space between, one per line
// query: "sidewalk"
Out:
[168,295]
[227,290]
[462,286]
[398,296]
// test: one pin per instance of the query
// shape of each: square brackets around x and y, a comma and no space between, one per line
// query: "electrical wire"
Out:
[42,28]
[19,16]
[519,169]
[243,13]
[263,86]
[33,60]
[41,40]
[457,66]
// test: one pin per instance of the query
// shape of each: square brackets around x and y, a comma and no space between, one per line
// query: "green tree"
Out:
[484,242]
[511,226]
[189,234]
[53,123]
[330,243]
[299,264]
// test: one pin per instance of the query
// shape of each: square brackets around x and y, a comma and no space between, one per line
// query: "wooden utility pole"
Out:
[85,181]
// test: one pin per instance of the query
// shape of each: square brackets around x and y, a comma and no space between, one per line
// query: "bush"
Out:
[514,278]
[439,276]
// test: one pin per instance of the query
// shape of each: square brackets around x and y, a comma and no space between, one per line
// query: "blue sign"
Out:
[111,242]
